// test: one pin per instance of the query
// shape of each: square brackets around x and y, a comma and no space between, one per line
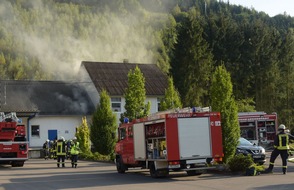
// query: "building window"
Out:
[158,104]
[116,104]
[122,133]
[36,130]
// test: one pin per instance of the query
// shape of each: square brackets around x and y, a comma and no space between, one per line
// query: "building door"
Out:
[52,135]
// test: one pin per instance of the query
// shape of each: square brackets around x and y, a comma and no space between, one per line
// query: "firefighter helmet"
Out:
[282,127]
[75,138]
[62,138]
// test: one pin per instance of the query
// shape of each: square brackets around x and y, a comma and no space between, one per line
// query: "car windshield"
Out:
[244,142]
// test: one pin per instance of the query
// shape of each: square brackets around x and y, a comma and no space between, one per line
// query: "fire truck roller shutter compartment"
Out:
[139,141]
[194,138]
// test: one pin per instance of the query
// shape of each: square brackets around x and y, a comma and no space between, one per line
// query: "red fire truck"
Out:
[258,127]
[13,144]
[185,140]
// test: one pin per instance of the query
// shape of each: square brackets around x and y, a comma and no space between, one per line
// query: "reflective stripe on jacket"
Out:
[283,142]
[75,148]
[60,148]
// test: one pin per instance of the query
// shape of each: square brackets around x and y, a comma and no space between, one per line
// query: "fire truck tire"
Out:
[157,173]
[120,167]
[194,172]
[153,172]
[17,164]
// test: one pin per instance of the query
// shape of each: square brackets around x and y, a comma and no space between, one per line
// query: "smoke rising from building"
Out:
[60,41]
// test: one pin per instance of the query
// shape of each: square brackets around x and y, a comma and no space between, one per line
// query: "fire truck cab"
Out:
[189,140]
[13,144]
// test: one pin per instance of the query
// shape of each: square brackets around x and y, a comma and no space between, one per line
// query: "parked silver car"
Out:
[245,147]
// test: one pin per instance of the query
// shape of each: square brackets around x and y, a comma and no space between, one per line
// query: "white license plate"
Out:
[256,156]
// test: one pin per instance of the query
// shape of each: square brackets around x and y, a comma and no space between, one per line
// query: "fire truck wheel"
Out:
[17,164]
[164,173]
[153,172]
[120,167]
[194,172]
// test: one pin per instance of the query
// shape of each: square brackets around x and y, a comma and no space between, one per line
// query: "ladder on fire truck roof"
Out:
[11,116]
[183,110]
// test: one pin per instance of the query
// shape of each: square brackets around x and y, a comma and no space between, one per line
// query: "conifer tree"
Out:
[135,96]
[222,100]
[192,62]
[171,98]
[83,136]
[103,126]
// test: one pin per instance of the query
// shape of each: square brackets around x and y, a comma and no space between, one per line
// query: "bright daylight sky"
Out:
[271,7]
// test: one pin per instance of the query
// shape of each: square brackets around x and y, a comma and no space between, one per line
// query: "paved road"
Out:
[39,174]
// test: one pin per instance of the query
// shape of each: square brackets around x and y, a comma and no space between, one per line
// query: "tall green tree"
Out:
[263,62]
[192,61]
[246,105]
[222,100]
[286,81]
[167,41]
[83,136]
[135,96]
[171,97]
[103,126]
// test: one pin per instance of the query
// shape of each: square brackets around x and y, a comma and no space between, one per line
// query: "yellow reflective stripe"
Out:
[60,149]
[281,147]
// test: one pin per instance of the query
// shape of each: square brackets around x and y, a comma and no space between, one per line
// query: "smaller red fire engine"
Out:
[258,127]
[13,144]
[184,140]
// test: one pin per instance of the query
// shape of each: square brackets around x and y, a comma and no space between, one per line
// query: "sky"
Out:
[271,7]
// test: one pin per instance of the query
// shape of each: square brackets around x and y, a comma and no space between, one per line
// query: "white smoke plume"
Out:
[49,35]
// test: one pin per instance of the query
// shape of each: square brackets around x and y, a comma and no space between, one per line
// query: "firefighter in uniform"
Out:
[51,150]
[281,147]
[61,152]
[68,144]
[54,149]
[46,148]
[74,151]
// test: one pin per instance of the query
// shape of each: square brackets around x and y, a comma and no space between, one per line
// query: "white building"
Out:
[51,109]
[113,77]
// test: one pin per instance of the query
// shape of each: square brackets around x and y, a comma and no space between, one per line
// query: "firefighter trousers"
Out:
[61,160]
[284,155]
[74,160]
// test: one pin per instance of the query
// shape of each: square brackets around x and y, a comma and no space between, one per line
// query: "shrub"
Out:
[240,162]
[96,157]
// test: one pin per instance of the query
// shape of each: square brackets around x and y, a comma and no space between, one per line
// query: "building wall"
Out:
[65,126]
[154,104]
[153,109]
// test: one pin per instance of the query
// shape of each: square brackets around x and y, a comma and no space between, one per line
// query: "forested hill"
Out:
[48,39]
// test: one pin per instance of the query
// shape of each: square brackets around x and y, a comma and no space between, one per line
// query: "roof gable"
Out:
[113,77]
